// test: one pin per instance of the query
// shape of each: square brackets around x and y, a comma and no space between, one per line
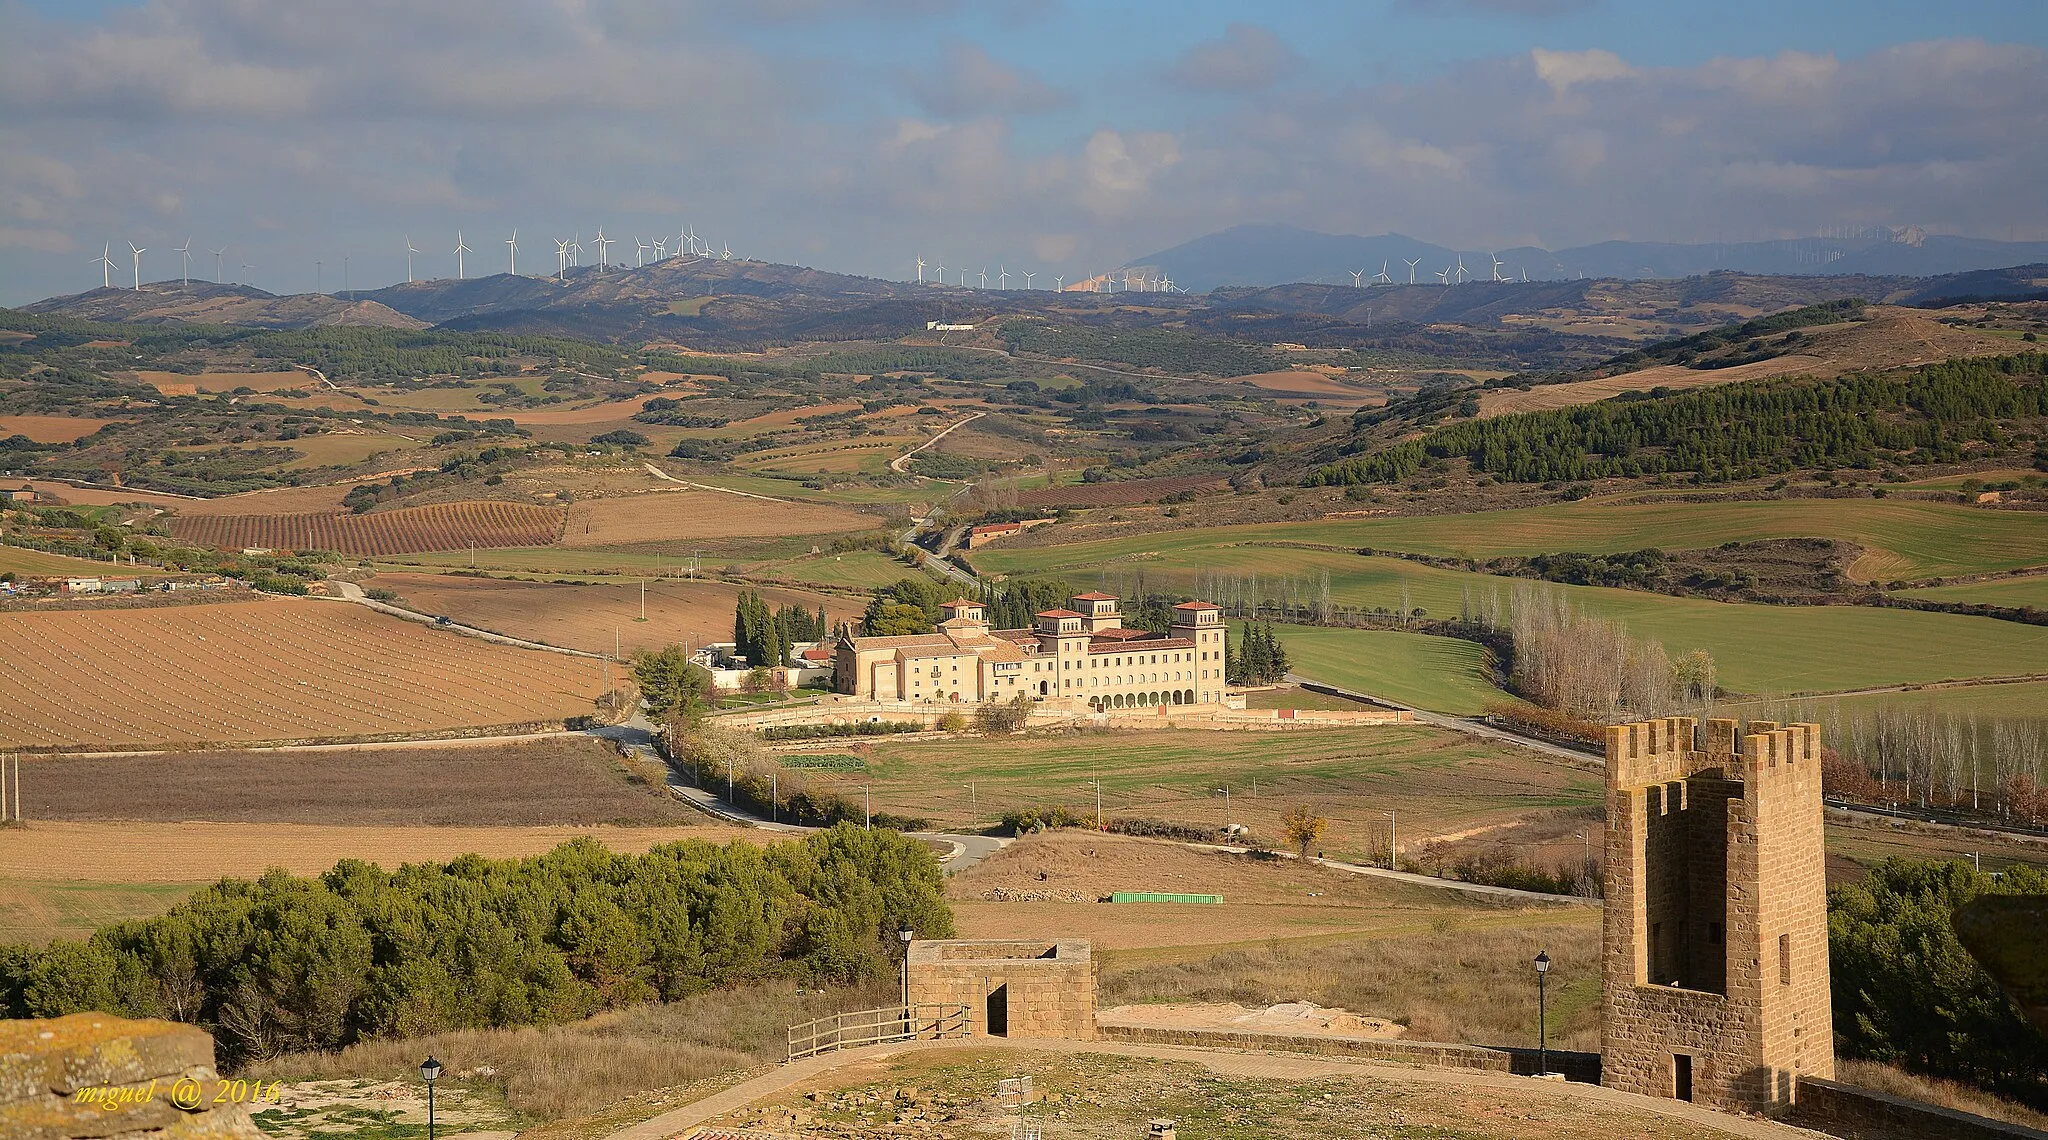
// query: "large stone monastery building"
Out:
[1084,653]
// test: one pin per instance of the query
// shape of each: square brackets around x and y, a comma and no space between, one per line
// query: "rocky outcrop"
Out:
[94,1076]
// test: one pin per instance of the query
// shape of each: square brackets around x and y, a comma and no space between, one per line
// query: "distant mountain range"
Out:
[1278,255]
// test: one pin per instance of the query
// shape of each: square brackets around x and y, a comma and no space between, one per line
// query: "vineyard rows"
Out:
[407,530]
[270,670]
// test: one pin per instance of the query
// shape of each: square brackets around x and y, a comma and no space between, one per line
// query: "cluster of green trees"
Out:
[1257,658]
[764,636]
[907,606]
[286,963]
[1688,350]
[1906,992]
[1739,431]
[673,687]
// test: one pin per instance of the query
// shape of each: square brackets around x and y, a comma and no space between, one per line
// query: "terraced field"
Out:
[272,670]
[440,526]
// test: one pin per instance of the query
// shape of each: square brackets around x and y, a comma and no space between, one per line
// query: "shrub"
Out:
[953,721]
[1003,718]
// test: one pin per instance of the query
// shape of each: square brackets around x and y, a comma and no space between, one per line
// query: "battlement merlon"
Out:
[1787,757]
[1649,751]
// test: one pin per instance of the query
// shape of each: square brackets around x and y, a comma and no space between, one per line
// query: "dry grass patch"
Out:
[568,1070]
[1935,1091]
[187,384]
[51,429]
[1457,979]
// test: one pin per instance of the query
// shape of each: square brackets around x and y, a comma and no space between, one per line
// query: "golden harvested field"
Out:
[347,448]
[51,429]
[129,852]
[1310,385]
[438,526]
[586,616]
[1506,401]
[182,384]
[270,670]
[683,515]
[606,412]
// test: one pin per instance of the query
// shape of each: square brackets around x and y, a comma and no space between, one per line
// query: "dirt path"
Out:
[897,463]
[658,473]
[1274,1066]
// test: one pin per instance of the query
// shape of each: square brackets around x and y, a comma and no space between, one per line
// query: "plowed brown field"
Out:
[407,530]
[270,670]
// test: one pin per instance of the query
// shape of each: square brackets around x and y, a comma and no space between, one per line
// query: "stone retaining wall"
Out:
[1863,1114]
[1582,1067]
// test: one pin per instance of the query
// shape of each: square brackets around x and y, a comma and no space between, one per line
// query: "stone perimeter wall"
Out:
[1574,1066]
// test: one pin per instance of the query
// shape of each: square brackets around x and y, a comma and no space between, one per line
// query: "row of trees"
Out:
[764,636]
[1929,756]
[1591,669]
[1737,431]
[288,963]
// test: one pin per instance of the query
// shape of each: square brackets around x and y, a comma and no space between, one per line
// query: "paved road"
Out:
[1577,758]
[1233,1063]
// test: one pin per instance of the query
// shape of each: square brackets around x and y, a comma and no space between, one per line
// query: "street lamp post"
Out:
[904,934]
[974,802]
[1542,1048]
[430,1071]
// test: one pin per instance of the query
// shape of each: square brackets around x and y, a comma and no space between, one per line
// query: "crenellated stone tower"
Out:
[1715,950]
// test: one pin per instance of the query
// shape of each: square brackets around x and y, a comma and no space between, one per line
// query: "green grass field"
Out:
[35,563]
[1441,674]
[1438,781]
[1901,539]
[2023,699]
[2031,590]
[34,910]
[1758,649]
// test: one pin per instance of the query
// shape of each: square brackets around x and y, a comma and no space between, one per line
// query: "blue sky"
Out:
[1055,136]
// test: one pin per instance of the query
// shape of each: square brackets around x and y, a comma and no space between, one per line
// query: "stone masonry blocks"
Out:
[1034,989]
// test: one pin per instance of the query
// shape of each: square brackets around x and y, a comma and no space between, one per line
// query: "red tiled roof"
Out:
[1095,597]
[1058,614]
[961,602]
[1198,606]
[1149,645]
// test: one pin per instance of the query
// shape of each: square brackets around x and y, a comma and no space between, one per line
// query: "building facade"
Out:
[1083,653]
[1714,969]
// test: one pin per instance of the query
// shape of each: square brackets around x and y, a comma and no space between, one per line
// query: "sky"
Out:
[1057,136]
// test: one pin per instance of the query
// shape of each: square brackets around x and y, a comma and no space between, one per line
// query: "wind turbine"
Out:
[562,261]
[246,265]
[1059,283]
[1496,267]
[725,254]
[1525,275]
[1381,278]
[661,248]
[185,262]
[692,235]
[1002,277]
[1461,269]
[316,275]
[409,251]
[216,262]
[984,277]
[576,250]
[942,275]
[106,266]
[920,271]
[1358,279]
[512,247]
[640,249]
[603,241]
[1444,278]
[138,252]
[1411,268]
[460,249]
[1027,279]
